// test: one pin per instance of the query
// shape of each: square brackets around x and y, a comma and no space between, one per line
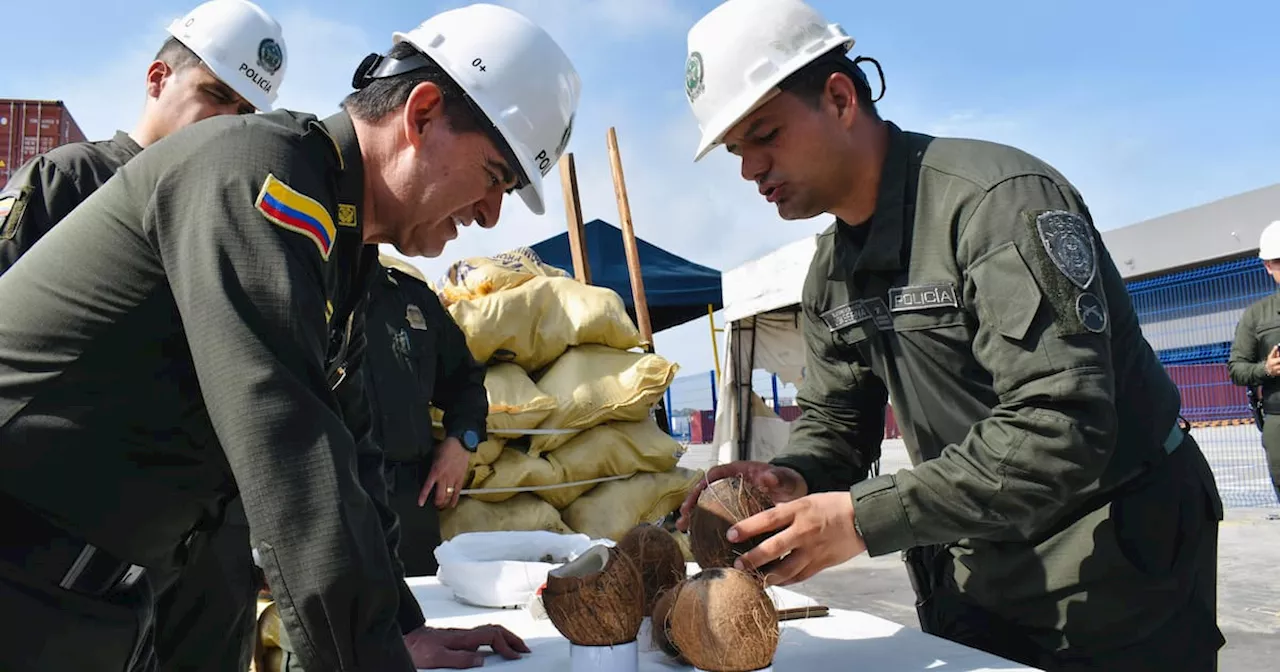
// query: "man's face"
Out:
[194,93]
[795,153]
[447,181]
[1273,269]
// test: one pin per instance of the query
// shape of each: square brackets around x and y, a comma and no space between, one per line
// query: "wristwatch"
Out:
[470,440]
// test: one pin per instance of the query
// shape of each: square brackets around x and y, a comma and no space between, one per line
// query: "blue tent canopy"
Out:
[676,289]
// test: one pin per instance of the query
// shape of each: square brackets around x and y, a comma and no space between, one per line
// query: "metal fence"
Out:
[1188,317]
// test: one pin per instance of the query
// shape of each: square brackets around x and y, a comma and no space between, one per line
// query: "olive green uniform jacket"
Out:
[1256,334]
[41,192]
[190,333]
[205,617]
[981,301]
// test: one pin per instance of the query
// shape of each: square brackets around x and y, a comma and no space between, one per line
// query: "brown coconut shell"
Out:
[596,600]
[722,620]
[659,557]
[660,618]
[720,506]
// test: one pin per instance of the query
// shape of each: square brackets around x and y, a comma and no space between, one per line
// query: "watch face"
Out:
[470,440]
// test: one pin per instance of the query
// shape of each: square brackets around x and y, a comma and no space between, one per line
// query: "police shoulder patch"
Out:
[13,207]
[1069,242]
[291,209]
[346,214]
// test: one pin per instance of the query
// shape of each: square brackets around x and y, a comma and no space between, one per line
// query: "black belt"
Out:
[43,549]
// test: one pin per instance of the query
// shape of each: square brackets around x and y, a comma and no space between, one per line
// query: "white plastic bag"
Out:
[505,569]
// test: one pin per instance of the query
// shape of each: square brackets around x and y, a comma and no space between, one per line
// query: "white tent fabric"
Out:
[761,304]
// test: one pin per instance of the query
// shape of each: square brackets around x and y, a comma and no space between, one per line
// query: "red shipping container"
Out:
[31,127]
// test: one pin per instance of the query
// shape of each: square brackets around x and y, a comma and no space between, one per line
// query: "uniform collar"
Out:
[127,143]
[884,248]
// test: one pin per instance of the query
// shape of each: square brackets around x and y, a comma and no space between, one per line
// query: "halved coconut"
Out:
[596,600]
[722,505]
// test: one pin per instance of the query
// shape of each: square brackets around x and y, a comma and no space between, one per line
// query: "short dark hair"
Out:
[384,96]
[810,82]
[176,55]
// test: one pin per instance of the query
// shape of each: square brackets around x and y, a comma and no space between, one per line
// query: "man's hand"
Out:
[780,484]
[1273,362]
[448,470]
[819,533]
[433,648]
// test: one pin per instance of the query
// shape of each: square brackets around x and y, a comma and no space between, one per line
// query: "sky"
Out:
[1147,106]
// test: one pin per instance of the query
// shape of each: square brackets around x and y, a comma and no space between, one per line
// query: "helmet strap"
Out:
[879,70]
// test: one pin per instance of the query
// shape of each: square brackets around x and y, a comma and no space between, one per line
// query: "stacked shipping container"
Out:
[31,127]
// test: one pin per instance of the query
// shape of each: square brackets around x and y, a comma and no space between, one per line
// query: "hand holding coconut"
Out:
[814,532]
[778,484]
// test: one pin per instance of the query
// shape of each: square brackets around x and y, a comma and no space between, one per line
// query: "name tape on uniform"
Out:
[858,311]
[290,209]
[923,297]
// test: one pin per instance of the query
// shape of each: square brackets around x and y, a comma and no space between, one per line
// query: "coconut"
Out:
[661,620]
[596,600]
[722,505]
[722,620]
[658,555]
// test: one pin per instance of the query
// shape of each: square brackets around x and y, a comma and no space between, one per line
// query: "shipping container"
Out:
[31,127]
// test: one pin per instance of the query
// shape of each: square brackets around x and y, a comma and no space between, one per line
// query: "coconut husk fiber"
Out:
[660,618]
[722,505]
[722,620]
[659,557]
[596,600]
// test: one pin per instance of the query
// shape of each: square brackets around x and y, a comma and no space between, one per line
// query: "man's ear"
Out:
[158,75]
[843,97]
[424,108]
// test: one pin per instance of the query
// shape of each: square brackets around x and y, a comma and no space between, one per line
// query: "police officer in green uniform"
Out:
[1255,353]
[204,613]
[417,355]
[194,330]
[1058,513]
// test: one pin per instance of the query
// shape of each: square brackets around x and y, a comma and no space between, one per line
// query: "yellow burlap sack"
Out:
[594,384]
[477,276]
[613,449]
[534,323]
[610,509]
[515,469]
[515,402]
[522,513]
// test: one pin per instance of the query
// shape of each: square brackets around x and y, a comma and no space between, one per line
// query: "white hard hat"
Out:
[517,75]
[240,43]
[1269,242]
[741,50]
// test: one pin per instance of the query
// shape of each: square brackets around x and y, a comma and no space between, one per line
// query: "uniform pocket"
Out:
[1007,291]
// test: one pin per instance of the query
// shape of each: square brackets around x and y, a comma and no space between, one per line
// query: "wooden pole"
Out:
[715,347]
[629,241]
[633,266]
[573,213]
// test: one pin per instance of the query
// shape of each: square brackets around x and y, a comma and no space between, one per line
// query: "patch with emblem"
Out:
[290,209]
[413,315]
[879,313]
[270,56]
[1069,242]
[923,297]
[693,85]
[346,214]
[12,208]
[1092,314]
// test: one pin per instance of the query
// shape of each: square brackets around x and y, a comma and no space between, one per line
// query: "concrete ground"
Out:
[1248,576]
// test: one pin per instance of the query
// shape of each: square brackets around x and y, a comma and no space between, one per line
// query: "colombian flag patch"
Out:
[292,210]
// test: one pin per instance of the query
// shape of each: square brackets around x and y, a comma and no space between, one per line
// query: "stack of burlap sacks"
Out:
[560,357]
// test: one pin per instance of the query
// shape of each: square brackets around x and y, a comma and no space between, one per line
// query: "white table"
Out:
[843,640]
